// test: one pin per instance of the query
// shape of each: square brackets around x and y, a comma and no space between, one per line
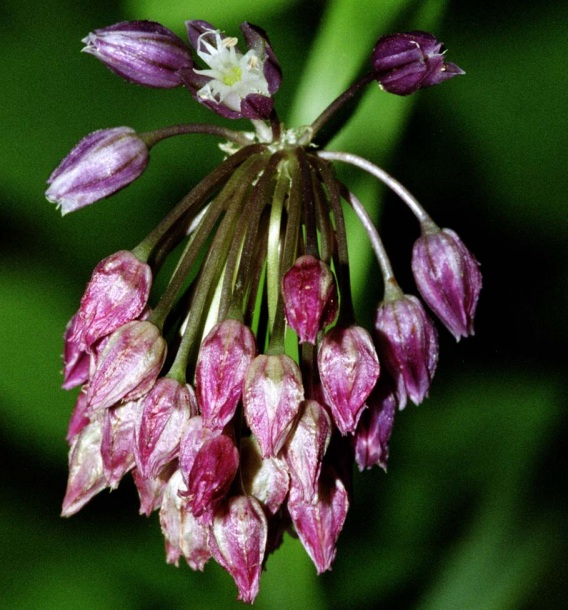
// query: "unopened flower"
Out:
[76,360]
[142,52]
[101,164]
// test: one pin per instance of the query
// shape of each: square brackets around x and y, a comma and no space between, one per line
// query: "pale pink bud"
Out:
[271,399]
[79,418]
[264,478]
[128,366]
[223,359]
[86,476]
[151,490]
[306,447]
[116,294]
[195,436]
[165,413]
[348,368]
[75,359]
[183,533]
[319,523]
[238,543]
[310,297]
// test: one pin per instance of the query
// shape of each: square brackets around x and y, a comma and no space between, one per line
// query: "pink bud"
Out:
[165,413]
[116,294]
[271,399]
[128,366]
[151,490]
[75,359]
[86,476]
[79,418]
[320,522]
[310,297]
[238,543]
[348,368]
[306,447]
[223,359]
[195,436]
[183,533]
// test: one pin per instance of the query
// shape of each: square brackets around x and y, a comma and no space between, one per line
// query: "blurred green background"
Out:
[473,511]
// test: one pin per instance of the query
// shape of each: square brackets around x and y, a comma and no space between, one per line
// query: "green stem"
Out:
[153,137]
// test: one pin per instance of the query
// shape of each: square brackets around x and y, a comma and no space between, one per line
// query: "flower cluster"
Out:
[240,399]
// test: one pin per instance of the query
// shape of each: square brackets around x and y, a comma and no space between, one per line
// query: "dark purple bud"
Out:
[271,399]
[238,543]
[349,368]
[142,52]
[101,164]
[407,343]
[75,359]
[373,433]
[448,278]
[116,294]
[403,63]
[224,357]
[310,297]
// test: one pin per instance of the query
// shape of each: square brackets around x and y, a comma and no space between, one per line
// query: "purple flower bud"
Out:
[166,411]
[319,522]
[116,294]
[101,164]
[79,418]
[142,52]
[448,278]
[183,533]
[75,359]
[233,85]
[310,297]
[223,360]
[195,436]
[271,400]
[375,427]
[128,366]
[86,476]
[408,346]
[238,543]
[306,447]
[264,478]
[349,368]
[151,489]
[403,63]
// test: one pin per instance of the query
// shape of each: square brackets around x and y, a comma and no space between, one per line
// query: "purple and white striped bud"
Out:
[306,447]
[271,399]
[349,368]
[151,490]
[407,342]
[448,278]
[233,85]
[117,293]
[184,534]
[371,439]
[75,359]
[166,410]
[195,436]
[128,365]
[238,543]
[142,52]
[101,164]
[224,357]
[320,521]
[86,476]
[79,418]
[403,63]
[310,297]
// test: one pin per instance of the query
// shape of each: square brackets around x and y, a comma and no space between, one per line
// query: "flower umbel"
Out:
[242,397]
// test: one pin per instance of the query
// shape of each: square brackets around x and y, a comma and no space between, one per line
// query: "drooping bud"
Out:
[403,63]
[128,365]
[86,476]
[271,400]
[319,522]
[151,490]
[101,164]
[373,433]
[116,294]
[234,85]
[184,534]
[75,359]
[448,278]
[79,418]
[348,367]
[165,414]
[310,297]
[238,543]
[407,342]
[142,52]
[306,447]
[223,360]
